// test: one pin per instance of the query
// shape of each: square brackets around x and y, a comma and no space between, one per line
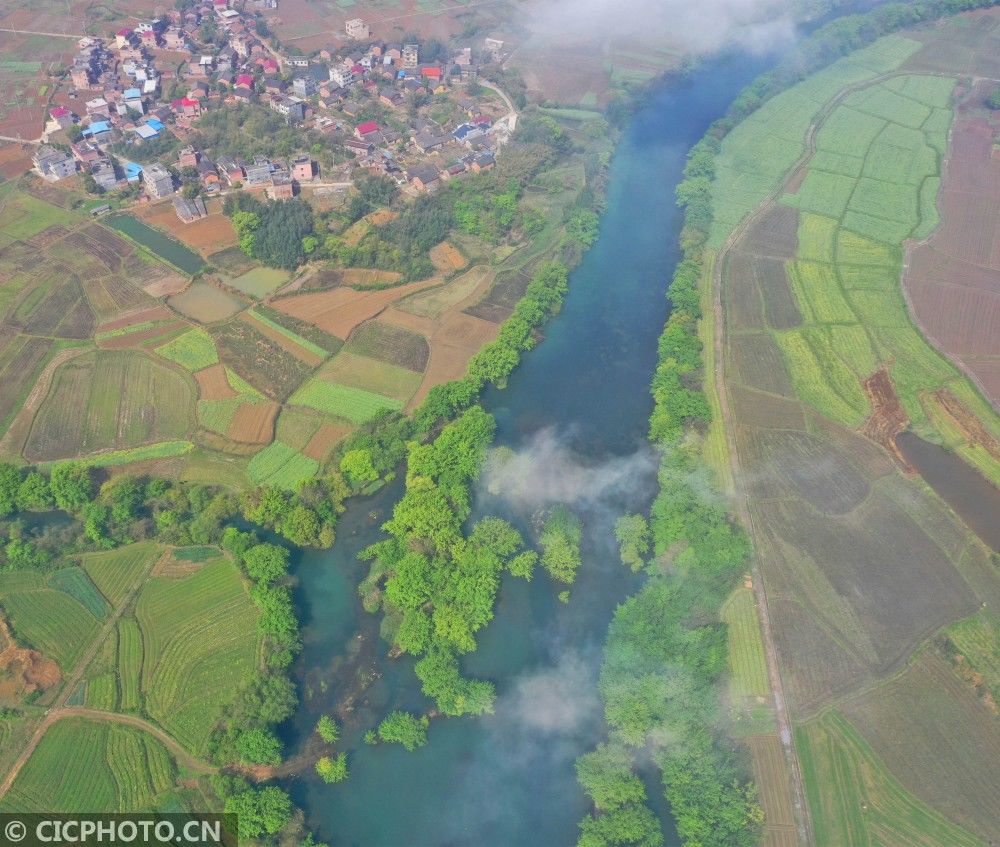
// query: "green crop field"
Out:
[78,585]
[129,649]
[281,465]
[114,572]
[199,645]
[46,618]
[104,400]
[342,401]
[760,151]
[193,350]
[89,766]
[216,415]
[23,216]
[371,375]
[102,692]
[854,799]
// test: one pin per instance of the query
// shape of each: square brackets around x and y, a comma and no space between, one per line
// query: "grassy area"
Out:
[199,646]
[110,400]
[758,153]
[846,281]
[854,799]
[88,766]
[114,572]
[193,350]
[342,401]
[47,618]
[281,465]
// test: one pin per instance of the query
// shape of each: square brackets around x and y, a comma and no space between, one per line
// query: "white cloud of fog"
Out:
[695,26]
[547,471]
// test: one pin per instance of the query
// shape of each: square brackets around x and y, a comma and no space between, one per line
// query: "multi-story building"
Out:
[159,182]
[302,168]
[357,28]
[411,55]
[54,164]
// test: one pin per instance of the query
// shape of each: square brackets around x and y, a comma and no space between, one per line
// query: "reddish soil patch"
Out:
[888,418]
[453,341]
[166,286]
[14,161]
[213,385]
[446,257]
[953,279]
[253,423]
[341,310]
[367,276]
[381,216]
[322,442]
[23,671]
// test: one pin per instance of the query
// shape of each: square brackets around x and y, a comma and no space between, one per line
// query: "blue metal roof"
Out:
[155,124]
[98,126]
[132,94]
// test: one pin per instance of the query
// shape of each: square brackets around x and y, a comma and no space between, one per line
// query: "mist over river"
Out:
[576,411]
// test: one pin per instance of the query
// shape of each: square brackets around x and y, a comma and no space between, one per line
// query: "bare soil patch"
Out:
[390,343]
[153,313]
[213,384]
[253,423]
[339,311]
[888,418]
[446,257]
[207,235]
[368,276]
[322,442]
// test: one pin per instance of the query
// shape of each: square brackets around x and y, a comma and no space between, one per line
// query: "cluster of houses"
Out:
[121,98]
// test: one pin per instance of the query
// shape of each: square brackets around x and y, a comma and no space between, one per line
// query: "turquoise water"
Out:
[156,242]
[581,401]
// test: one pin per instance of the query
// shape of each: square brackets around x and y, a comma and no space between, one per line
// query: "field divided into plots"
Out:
[199,646]
[823,367]
[89,766]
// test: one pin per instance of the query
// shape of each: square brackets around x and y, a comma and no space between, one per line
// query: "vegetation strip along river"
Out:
[579,404]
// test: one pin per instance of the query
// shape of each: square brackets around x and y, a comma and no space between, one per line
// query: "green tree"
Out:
[560,540]
[10,484]
[404,728]
[327,729]
[259,746]
[632,533]
[357,466]
[34,494]
[72,486]
[332,769]
[606,775]
[266,811]
[266,563]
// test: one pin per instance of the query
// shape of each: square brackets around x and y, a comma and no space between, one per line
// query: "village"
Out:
[127,115]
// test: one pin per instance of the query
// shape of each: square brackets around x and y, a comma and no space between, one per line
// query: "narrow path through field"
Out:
[58,707]
[785,732]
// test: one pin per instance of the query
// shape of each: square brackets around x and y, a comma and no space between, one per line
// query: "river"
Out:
[580,402]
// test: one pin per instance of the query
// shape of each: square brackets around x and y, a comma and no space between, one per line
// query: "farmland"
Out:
[103,401]
[195,650]
[84,765]
[822,367]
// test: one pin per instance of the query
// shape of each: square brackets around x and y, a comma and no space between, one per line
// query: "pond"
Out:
[156,242]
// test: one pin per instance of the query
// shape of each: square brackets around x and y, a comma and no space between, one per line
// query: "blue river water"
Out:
[579,404]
